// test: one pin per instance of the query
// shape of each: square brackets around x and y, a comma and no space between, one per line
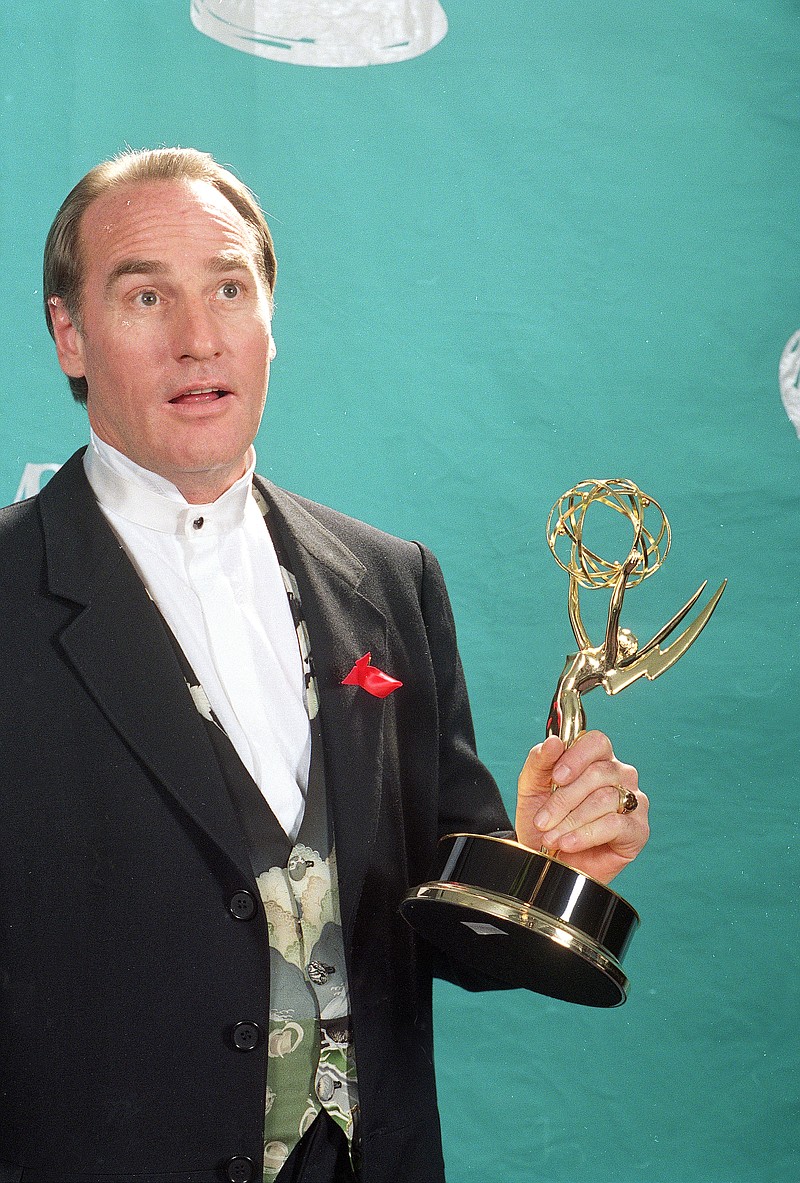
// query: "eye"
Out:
[148,299]
[230,290]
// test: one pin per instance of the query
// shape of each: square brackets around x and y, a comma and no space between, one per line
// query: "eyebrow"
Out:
[134,267]
[217,265]
[231,261]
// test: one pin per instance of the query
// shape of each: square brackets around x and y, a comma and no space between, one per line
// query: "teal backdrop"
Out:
[561,244]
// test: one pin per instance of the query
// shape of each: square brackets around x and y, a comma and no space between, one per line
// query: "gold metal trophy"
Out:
[521,916]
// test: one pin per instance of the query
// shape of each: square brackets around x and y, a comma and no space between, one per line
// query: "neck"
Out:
[203,488]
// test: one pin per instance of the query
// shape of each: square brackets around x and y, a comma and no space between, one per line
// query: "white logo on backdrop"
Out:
[324,32]
[32,481]
[789,379]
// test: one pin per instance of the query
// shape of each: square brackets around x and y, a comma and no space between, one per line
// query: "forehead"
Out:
[174,221]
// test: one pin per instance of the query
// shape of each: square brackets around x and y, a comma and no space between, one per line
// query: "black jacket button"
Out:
[240,1170]
[246,1036]
[242,906]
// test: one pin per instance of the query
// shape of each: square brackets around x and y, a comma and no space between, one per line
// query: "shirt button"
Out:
[242,906]
[198,523]
[240,1169]
[246,1036]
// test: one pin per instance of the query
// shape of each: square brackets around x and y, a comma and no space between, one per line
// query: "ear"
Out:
[273,348]
[68,339]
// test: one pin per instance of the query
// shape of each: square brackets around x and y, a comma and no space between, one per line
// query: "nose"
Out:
[196,332]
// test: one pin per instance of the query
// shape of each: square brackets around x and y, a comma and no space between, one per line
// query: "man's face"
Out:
[174,338]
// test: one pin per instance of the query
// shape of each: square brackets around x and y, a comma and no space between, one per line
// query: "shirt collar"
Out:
[123,487]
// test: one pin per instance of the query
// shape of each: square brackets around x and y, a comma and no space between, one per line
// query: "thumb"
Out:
[537,772]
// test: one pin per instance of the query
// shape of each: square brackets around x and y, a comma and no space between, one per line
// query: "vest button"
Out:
[242,906]
[326,1085]
[297,866]
[246,1036]
[240,1169]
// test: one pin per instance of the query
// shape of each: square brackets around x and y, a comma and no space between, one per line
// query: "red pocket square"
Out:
[371,679]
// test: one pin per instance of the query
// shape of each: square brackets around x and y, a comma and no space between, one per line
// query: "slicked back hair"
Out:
[63,270]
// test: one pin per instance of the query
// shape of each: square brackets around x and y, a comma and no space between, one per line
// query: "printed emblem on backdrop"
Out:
[324,32]
[789,379]
[33,477]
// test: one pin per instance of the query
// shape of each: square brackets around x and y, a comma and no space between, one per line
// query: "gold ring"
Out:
[628,801]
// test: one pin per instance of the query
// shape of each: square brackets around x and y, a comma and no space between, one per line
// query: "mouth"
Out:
[199,395]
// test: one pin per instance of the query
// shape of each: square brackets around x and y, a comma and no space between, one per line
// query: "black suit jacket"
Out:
[124,965]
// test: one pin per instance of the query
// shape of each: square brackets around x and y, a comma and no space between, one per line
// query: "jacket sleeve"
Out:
[469,800]
[468,795]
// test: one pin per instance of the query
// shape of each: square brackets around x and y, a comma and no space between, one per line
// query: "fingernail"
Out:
[542,819]
[562,774]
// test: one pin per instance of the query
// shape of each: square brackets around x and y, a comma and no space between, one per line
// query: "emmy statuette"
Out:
[523,917]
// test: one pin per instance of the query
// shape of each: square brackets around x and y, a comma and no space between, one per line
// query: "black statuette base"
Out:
[525,920]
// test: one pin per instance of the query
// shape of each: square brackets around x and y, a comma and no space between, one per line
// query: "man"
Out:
[213,800]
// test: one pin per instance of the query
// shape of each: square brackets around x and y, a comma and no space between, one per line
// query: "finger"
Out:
[601,801]
[587,749]
[599,775]
[623,833]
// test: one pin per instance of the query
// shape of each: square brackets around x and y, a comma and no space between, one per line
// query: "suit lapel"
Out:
[119,649]
[343,624]
[117,646]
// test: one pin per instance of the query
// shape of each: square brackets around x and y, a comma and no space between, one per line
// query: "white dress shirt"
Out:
[213,572]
